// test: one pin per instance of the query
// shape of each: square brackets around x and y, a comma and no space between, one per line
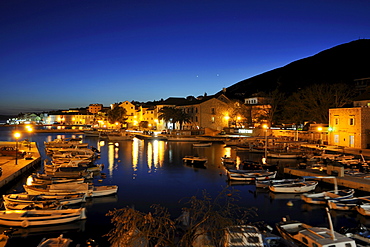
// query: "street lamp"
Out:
[320,130]
[265,126]
[29,129]
[16,136]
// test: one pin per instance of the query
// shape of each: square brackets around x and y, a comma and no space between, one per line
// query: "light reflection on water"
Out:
[152,172]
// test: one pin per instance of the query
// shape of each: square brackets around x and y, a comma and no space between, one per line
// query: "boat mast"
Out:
[330,225]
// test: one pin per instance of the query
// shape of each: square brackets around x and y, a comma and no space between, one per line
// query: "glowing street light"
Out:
[265,126]
[16,136]
[320,130]
[29,129]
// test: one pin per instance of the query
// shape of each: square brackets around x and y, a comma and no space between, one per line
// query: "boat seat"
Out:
[331,195]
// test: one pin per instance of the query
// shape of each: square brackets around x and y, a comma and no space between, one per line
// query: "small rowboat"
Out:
[250,175]
[295,187]
[26,218]
[22,200]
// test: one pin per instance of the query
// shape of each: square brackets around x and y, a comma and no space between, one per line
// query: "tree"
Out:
[203,216]
[313,103]
[174,115]
[116,115]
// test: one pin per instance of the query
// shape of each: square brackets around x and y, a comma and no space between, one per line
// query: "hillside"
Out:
[342,63]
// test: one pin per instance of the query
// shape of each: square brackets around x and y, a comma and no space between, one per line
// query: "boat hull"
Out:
[27,218]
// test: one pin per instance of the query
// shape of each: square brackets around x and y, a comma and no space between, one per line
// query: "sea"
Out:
[152,173]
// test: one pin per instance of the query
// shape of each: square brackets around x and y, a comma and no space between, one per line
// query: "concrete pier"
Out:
[13,167]
[358,183]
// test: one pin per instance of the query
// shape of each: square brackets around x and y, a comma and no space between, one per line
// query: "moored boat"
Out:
[294,187]
[194,160]
[66,189]
[348,203]
[202,144]
[323,197]
[267,183]
[55,242]
[26,199]
[250,175]
[301,234]
[26,218]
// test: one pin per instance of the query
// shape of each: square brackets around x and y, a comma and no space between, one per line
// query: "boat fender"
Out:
[25,223]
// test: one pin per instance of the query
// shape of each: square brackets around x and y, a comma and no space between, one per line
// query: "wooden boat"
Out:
[34,179]
[284,155]
[363,209]
[267,183]
[119,136]
[26,218]
[66,189]
[21,200]
[244,235]
[55,242]
[250,175]
[348,203]
[302,234]
[294,187]
[194,160]
[323,197]
[202,144]
[361,234]
[227,160]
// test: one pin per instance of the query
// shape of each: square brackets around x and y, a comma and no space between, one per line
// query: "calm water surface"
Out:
[152,172]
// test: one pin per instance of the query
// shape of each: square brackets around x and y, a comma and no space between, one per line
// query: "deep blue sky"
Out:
[60,54]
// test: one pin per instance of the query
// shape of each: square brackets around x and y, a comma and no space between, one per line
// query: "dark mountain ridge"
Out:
[341,64]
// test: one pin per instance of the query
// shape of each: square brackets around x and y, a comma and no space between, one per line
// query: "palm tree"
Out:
[174,115]
[117,114]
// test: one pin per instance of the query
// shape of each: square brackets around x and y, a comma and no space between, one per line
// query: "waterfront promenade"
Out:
[13,167]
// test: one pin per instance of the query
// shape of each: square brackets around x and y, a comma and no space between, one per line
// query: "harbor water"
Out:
[152,172]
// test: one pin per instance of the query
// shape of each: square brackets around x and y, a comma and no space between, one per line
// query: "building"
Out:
[95,108]
[350,127]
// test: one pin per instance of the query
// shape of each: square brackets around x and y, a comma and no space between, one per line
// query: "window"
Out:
[196,118]
[351,120]
[213,119]
[213,110]
[348,245]
[336,121]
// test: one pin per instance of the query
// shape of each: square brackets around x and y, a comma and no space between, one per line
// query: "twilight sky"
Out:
[61,54]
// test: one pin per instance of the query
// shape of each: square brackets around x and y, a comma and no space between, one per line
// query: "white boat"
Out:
[22,200]
[66,143]
[302,234]
[202,144]
[243,235]
[66,189]
[348,203]
[323,197]
[284,155]
[77,163]
[120,136]
[294,187]
[250,175]
[34,179]
[227,160]
[26,218]
[195,161]
[267,183]
[55,242]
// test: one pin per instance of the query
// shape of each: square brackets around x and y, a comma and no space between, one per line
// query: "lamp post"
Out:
[265,126]
[29,129]
[320,130]
[16,136]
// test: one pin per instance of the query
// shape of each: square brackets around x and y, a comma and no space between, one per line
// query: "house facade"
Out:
[350,127]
